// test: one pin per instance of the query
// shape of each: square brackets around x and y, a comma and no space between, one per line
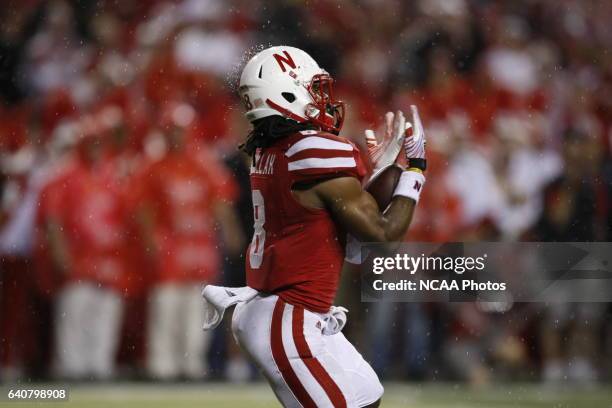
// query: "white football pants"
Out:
[304,367]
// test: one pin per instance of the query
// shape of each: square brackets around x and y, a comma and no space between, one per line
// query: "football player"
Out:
[307,193]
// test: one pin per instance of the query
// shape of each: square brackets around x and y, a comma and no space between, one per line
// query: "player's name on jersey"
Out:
[263,163]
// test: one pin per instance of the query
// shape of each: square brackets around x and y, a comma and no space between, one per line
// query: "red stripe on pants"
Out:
[314,366]
[281,360]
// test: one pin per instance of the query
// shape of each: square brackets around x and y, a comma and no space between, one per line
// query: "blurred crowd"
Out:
[122,189]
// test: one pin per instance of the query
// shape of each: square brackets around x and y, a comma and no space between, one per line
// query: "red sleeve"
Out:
[319,155]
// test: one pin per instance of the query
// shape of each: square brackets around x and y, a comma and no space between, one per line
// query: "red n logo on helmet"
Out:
[284,60]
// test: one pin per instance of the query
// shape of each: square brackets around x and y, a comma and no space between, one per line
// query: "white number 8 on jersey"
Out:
[256,248]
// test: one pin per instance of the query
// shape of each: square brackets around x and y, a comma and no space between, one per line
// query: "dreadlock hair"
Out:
[270,129]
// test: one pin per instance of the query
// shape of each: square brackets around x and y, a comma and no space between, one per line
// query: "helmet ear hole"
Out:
[289,97]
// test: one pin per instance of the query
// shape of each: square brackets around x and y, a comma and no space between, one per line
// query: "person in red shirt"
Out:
[183,200]
[85,230]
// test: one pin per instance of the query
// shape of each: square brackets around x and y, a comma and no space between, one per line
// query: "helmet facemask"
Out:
[324,111]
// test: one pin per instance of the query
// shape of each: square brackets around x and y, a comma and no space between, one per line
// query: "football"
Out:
[382,185]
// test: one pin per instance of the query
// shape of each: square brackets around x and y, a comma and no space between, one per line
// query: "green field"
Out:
[259,396]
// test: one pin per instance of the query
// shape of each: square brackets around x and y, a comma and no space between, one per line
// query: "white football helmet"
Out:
[288,82]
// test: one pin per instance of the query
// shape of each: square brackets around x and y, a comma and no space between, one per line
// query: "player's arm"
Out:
[356,211]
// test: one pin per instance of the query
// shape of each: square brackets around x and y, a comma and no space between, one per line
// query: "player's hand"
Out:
[414,143]
[385,152]
[371,138]
[371,141]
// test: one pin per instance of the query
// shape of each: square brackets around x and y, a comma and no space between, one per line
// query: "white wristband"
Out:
[410,185]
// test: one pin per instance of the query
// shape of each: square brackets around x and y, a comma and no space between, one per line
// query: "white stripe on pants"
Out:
[304,367]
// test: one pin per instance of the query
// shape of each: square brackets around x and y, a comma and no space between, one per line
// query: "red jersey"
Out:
[183,192]
[296,252]
[90,210]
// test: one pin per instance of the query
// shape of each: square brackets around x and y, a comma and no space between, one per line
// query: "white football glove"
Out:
[385,153]
[414,145]
[411,182]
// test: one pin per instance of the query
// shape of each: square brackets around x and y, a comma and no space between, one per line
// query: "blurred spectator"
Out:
[572,200]
[86,238]
[181,200]
[17,25]
[55,57]
[572,213]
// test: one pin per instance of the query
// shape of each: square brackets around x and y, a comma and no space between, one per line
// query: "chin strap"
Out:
[286,112]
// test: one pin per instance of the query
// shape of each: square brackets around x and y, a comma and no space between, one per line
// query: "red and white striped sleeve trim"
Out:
[318,143]
[320,163]
[320,153]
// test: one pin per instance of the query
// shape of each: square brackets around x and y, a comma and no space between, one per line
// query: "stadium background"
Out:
[515,97]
